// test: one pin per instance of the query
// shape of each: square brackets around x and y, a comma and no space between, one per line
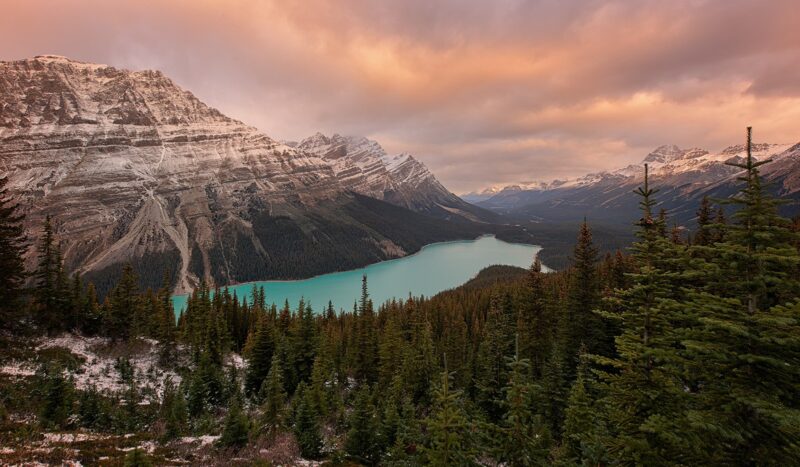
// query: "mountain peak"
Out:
[663,154]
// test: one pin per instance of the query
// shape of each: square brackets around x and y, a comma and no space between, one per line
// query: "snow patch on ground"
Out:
[19,369]
[204,440]
[99,370]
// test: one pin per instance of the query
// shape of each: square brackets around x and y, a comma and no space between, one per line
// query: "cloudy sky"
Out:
[484,92]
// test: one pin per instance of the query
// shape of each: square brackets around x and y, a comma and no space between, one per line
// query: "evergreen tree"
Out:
[125,305]
[47,274]
[645,397]
[580,324]
[237,426]
[362,441]
[492,370]
[174,411]
[261,357]
[448,428]
[206,387]
[583,430]
[704,234]
[744,350]
[306,425]
[12,267]
[366,364]
[522,439]
[534,322]
[273,396]
[57,394]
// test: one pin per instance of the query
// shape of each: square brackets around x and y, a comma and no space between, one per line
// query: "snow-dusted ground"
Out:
[98,367]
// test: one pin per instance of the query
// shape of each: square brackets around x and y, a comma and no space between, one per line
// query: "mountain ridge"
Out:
[133,168]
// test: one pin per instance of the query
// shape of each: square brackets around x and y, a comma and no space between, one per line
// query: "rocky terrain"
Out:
[683,177]
[362,165]
[132,168]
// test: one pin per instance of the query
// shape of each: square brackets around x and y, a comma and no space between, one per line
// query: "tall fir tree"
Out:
[12,267]
[450,442]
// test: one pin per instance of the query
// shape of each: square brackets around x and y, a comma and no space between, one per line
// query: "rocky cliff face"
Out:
[133,168]
[364,167]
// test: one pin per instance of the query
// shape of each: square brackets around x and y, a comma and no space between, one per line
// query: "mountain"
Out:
[683,177]
[132,168]
[363,166]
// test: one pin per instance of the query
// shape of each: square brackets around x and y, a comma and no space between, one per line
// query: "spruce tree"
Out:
[580,324]
[306,425]
[743,348]
[237,426]
[491,368]
[534,322]
[704,233]
[125,305]
[58,397]
[581,442]
[273,396]
[362,441]
[174,411]
[645,398]
[261,357]
[448,429]
[522,439]
[12,267]
[48,270]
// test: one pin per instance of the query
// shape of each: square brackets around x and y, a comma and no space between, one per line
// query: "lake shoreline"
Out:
[432,269]
[420,250]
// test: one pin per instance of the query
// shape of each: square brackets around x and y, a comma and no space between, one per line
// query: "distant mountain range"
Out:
[132,168]
[683,177]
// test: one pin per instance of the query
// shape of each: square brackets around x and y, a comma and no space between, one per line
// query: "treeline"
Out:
[684,352]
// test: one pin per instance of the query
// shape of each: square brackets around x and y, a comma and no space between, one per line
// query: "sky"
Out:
[485,92]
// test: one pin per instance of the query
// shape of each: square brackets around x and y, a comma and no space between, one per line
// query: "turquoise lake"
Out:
[435,268]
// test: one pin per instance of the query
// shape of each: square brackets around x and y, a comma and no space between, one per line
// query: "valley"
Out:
[435,268]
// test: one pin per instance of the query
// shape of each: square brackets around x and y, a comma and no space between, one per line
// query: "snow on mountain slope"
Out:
[364,167]
[132,168]
[681,175]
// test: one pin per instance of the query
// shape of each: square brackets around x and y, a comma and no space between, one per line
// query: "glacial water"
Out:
[435,268]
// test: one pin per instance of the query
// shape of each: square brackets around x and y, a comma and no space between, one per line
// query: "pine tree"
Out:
[12,267]
[306,425]
[125,305]
[743,347]
[206,387]
[534,322]
[704,234]
[57,393]
[261,357]
[362,441]
[273,396]
[644,396]
[580,324]
[237,426]
[366,364]
[48,270]
[491,368]
[583,430]
[174,411]
[522,439]
[448,428]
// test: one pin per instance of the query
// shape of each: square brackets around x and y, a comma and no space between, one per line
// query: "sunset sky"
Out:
[484,92]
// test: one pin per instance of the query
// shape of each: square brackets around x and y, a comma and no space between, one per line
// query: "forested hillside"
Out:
[684,350]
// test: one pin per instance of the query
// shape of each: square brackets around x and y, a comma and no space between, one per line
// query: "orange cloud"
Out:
[483,92]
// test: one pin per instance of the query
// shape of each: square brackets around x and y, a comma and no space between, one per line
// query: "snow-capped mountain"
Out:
[682,175]
[132,168]
[363,166]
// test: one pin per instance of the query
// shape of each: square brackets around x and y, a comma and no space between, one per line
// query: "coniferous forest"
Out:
[681,350]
